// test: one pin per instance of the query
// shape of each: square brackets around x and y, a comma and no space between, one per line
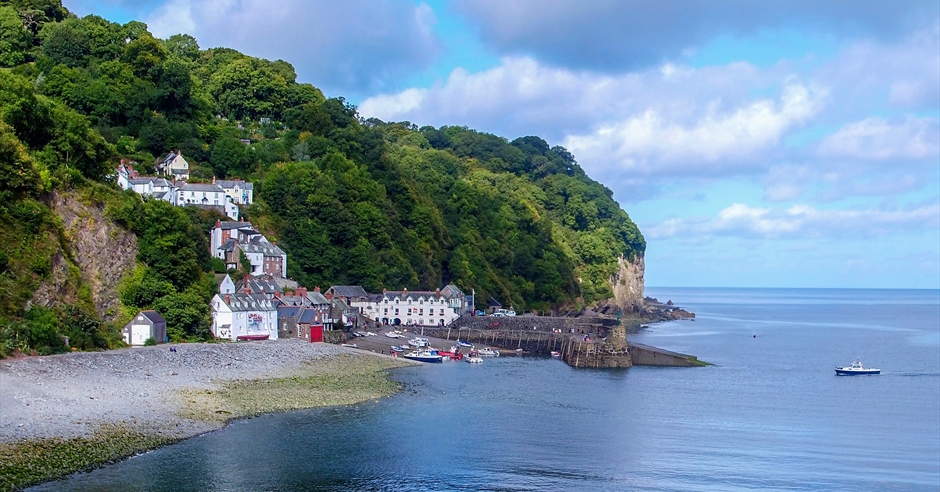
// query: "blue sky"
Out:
[757,144]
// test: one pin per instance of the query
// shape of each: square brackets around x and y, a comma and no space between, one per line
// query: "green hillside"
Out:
[351,201]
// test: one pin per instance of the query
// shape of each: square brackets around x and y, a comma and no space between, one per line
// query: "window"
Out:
[396,311]
[442,312]
[421,311]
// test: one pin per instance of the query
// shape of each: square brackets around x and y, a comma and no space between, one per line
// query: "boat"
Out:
[392,334]
[253,337]
[556,354]
[487,352]
[474,359]
[396,348]
[453,355]
[464,344]
[856,369]
[419,342]
[423,356]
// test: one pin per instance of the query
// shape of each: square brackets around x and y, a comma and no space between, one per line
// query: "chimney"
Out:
[213,179]
[316,288]
[277,295]
[247,290]
[228,299]
[218,223]
[384,291]
[301,291]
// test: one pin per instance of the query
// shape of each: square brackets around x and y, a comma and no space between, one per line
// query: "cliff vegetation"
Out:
[351,200]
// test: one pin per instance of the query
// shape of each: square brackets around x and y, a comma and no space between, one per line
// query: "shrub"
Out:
[150,342]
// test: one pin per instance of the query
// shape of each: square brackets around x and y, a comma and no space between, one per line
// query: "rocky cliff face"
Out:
[97,253]
[628,285]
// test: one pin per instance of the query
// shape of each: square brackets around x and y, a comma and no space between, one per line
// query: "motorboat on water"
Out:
[856,369]
[424,356]
[556,354]
[487,352]
[474,359]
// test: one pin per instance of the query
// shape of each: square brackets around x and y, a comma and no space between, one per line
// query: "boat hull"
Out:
[856,372]
[425,358]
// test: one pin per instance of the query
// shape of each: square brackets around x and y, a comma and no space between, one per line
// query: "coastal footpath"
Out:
[72,412]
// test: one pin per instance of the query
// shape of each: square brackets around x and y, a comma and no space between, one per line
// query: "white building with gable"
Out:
[243,317]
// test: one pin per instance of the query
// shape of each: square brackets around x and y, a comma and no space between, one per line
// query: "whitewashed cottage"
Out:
[243,317]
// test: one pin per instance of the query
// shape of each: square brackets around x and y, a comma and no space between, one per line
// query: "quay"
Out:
[581,342]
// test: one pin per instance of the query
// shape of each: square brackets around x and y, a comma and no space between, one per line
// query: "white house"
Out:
[173,165]
[227,286]
[146,325]
[223,231]
[207,195]
[265,258]
[243,317]
[420,308]
[241,192]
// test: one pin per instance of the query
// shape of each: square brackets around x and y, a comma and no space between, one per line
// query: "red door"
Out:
[316,333]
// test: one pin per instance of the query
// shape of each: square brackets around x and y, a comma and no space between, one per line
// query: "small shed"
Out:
[147,324]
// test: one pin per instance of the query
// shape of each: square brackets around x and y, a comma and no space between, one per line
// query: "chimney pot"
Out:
[228,299]
[248,290]
[316,288]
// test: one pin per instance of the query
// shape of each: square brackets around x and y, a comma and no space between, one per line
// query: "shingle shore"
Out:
[139,398]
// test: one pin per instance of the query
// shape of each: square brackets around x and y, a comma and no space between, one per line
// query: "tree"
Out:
[65,42]
[186,314]
[14,38]
[182,46]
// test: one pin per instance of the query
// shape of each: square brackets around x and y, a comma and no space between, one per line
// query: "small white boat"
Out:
[488,352]
[419,342]
[396,348]
[556,354]
[464,344]
[856,369]
[423,356]
[474,359]
[392,334]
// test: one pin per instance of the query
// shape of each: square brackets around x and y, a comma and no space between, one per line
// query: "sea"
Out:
[770,414]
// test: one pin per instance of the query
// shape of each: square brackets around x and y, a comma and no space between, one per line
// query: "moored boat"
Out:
[474,359]
[856,369]
[424,356]
[487,352]
[464,344]
[556,354]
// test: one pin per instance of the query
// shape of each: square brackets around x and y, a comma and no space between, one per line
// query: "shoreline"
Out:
[74,412]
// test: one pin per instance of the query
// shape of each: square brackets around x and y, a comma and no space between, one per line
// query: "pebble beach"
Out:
[156,396]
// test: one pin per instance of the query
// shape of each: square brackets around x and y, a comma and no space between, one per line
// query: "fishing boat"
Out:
[424,356]
[488,352]
[856,369]
[452,355]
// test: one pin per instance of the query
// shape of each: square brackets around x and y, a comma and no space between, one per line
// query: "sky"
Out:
[756,144]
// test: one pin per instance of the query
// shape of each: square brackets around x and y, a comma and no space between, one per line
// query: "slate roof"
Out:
[260,285]
[232,183]
[249,302]
[234,225]
[493,303]
[317,298]
[263,248]
[349,291]
[201,187]
[229,245]
[153,316]
[307,316]
[289,311]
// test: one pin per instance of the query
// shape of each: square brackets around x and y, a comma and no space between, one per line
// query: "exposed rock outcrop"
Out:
[98,253]
[627,284]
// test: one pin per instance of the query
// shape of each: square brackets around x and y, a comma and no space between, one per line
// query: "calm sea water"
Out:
[770,415]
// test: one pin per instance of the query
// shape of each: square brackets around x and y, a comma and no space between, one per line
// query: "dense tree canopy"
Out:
[352,201]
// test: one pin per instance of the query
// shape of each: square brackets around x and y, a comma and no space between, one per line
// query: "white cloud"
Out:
[344,48]
[798,222]
[654,143]
[879,139]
